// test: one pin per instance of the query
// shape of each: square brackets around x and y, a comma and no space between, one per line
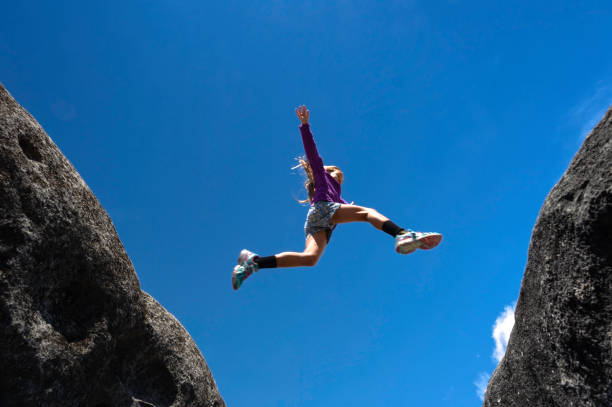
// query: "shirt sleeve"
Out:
[314,159]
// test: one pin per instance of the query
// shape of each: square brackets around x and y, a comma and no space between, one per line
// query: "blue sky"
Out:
[448,116]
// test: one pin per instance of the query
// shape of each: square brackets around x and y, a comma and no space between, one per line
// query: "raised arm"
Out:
[310,148]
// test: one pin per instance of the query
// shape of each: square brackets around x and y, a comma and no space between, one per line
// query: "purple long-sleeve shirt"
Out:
[326,187]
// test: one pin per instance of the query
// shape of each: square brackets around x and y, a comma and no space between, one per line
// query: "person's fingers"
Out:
[302,113]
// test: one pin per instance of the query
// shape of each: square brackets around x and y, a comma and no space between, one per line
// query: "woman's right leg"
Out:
[315,245]
[249,262]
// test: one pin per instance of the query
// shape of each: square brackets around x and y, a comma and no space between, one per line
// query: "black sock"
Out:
[268,262]
[391,228]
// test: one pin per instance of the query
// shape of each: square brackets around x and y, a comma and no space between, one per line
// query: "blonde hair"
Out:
[309,183]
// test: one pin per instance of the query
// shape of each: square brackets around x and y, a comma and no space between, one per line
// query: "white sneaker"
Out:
[409,241]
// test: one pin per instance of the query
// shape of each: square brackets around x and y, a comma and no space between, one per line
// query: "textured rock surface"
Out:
[76,328]
[560,350]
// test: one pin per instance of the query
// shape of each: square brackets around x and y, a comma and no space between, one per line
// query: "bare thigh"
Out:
[316,244]
[350,213]
[355,213]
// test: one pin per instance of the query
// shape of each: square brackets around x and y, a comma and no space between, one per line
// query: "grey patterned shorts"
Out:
[319,218]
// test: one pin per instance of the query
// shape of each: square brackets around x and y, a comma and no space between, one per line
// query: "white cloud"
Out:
[501,335]
[501,332]
[591,109]
[481,384]
[592,122]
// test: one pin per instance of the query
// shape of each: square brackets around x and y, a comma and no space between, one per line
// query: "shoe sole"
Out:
[234,279]
[430,241]
[244,254]
[425,242]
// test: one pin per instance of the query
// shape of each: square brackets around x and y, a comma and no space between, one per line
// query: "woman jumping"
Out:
[327,209]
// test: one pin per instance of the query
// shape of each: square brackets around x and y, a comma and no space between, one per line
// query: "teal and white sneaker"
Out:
[409,241]
[246,266]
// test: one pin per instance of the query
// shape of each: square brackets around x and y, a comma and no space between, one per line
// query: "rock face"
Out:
[560,350]
[76,328]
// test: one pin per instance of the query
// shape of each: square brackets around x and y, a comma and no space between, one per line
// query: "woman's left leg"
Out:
[405,241]
[355,213]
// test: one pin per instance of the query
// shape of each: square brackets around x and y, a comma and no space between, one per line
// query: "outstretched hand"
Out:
[302,114]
